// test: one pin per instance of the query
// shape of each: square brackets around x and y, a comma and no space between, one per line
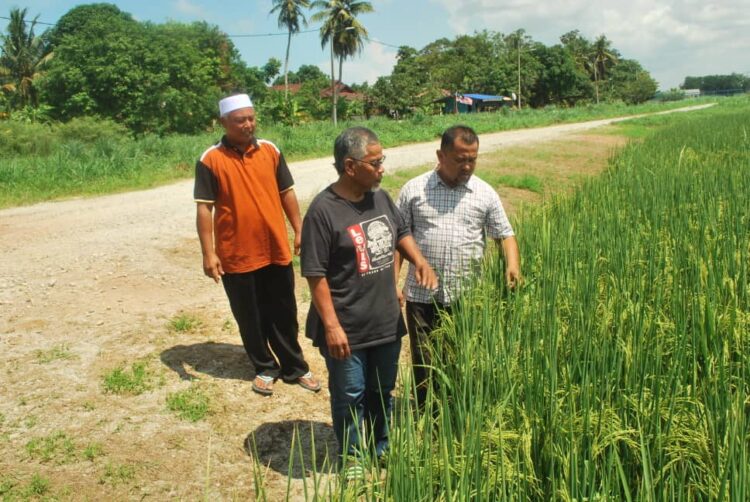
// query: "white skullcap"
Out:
[232,103]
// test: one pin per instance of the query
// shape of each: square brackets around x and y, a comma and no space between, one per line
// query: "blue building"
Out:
[471,103]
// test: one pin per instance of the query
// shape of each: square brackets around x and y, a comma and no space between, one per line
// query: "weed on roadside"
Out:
[121,381]
[37,486]
[184,323]
[92,451]
[56,353]
[115,474]
[192,404]
[58,446]
[11,489]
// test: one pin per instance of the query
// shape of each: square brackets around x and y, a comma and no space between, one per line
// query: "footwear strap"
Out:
[266,379]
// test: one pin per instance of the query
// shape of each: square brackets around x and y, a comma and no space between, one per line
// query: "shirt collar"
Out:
[435,180]
[227,144]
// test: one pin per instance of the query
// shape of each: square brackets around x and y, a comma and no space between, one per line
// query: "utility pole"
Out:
[518,46]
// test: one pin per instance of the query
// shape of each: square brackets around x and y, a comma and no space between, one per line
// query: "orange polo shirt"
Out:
[244,187]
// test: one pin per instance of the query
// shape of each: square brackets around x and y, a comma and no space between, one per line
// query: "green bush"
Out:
[92,129]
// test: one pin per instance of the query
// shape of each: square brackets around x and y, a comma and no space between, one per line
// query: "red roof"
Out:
[343,91]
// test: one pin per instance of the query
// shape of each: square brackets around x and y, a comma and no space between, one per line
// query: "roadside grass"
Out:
[96,157]
[56,353]
[57,447]
[117,474]
[192,404]
[184,322]
[524,182]
[37,486]
[138,379]
[93,451]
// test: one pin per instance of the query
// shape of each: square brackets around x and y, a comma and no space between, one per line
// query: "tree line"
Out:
[166,78]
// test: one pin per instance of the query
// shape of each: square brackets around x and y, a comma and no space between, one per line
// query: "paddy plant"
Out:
[620,370]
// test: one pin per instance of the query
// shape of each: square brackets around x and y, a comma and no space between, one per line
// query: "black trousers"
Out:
[264,306]
[421,319]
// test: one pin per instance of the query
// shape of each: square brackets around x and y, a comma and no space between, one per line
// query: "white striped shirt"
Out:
[450,226]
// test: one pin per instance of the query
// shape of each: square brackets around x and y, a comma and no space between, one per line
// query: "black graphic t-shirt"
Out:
[352,245]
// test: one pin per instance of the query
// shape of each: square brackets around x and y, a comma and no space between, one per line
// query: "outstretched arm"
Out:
[424,274]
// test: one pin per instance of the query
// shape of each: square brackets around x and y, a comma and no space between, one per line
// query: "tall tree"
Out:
[602,57]
[150,77]
[290,16]
[342,31]
[22,60]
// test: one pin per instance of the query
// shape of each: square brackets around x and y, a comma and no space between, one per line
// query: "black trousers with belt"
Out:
[264,306]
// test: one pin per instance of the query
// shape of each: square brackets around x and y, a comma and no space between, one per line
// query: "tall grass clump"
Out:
[621,369]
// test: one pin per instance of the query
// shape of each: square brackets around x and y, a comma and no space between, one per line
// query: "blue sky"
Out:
[670,38]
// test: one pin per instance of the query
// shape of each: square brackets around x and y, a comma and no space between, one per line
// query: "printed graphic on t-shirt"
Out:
[373,243]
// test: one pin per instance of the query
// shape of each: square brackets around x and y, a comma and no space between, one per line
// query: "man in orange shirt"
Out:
[243,189]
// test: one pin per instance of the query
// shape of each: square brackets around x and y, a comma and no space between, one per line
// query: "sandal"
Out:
[309,382]
[263,385]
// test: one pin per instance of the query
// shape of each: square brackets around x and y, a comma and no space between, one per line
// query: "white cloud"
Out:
[671,38]
[189,8]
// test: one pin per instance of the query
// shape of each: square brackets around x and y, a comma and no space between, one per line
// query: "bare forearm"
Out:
[423,273]
[512,257]
[205,226]
[407,248]
[511,252]
[291,209]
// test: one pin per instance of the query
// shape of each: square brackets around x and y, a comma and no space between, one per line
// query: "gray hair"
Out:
[352,143]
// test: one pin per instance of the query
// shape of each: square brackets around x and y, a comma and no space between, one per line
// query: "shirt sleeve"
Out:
[206,185]
[316,244]
[498,225]
[403,204]
[283,175]
[402,229]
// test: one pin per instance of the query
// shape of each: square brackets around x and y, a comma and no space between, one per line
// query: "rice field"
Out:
[621,370]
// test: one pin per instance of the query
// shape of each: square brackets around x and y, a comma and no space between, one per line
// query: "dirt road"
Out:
[88,285]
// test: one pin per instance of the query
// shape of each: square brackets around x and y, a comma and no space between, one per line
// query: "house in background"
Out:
[471,102]
[342,90]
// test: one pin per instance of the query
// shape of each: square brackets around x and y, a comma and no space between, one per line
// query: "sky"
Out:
[671,39]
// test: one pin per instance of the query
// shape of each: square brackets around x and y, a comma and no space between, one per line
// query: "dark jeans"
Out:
[265,309]
[421,320]
[361,400]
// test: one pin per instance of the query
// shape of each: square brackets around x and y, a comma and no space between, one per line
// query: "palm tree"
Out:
[342,31]
[22,59]
[602,57]
[290,15]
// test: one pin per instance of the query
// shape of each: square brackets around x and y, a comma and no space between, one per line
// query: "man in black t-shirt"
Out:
[349,237]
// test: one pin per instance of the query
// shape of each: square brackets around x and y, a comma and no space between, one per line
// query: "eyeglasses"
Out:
[375,163]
